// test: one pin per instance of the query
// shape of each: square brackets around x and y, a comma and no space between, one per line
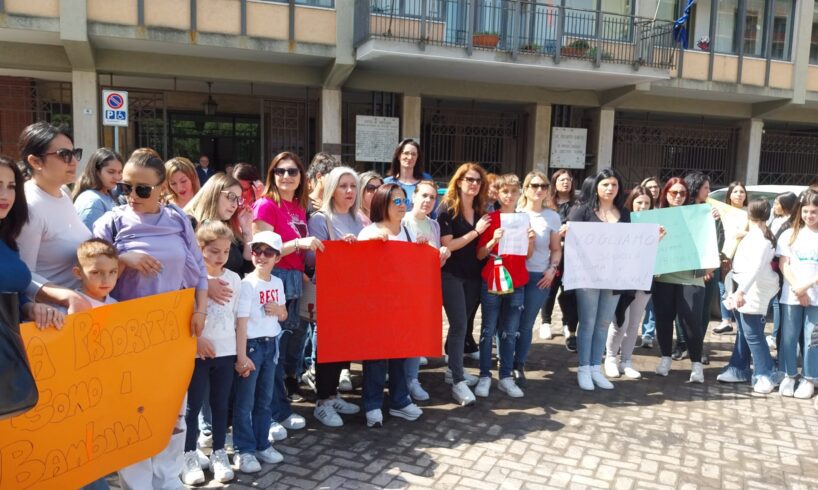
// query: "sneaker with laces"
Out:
[308,378]
[277,432]
[462,394]
[787,386]
[205,439]
[409,412]
[294,422]
[611,367]
[246,463]
[629,371]
[510,388]
[192,473]
[805,390]
[697,373]
[545,331]
[417,392]
[374,418]
[764,385]
[599,379]
[327,415]
[483,387]
[345,381]
[470,379]
[344,407]
[729,375]
[270,456]
[220,465]
[663,369]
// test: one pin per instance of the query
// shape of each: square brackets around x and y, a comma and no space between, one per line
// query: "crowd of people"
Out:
[143,226]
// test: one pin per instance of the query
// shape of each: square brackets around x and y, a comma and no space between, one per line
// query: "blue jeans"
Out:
[291,347]
[412,369]
[596,308]
[649,322]
[750,342]
[797,323]
[507,309]
[726,315]
[533,299]
[776,307]
[251,414]
[375,381]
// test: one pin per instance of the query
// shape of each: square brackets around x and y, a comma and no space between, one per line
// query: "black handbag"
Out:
[18,390]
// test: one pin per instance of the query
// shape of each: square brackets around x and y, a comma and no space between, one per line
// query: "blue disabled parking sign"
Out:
[115,108]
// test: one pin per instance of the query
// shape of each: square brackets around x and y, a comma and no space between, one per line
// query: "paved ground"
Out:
[650,433]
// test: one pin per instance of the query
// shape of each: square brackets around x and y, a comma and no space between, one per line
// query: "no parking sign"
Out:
[115,108]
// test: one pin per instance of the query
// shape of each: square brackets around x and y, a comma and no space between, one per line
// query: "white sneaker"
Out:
[584,379]
[205,440]
[599,379]
[204,461]
[326,414]
[246,463]
[344,407]
[510,388]
[787,386]
[483,387]
[470,379]
[545,331]
[345,381]
[805,390]
[417,392]
[409,412]
[611,367]
[697,373]
[220,465]
[763,385]
[192,473]
[771,342]
[374,418]
[462,394]
[629,371]
[730,376]
[294,422]
[270,456]
[277,432]
[424,361]
[663,369]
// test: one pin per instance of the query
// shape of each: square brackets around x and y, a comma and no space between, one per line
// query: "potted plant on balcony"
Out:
[485,39]
[576,49]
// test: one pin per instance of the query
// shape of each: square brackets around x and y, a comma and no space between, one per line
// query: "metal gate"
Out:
[24,101]
[289,125]
[788,157]
[450,137]
[642,149]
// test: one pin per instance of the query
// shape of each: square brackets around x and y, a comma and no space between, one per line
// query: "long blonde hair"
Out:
[180,164]
[452,201]
[546,202]
[204,206]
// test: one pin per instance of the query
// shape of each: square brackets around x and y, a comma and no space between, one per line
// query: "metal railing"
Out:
[519,27]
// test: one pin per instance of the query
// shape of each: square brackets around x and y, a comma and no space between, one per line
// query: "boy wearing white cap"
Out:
[260,309]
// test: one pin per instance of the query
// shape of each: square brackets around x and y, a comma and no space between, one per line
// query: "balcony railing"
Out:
[519,26]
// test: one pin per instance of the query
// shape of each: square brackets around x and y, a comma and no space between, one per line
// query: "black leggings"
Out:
[670,300]
[326,378]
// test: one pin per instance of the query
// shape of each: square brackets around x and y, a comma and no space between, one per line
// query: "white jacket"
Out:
[753,272]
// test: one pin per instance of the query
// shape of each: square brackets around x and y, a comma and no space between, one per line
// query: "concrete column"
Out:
[800,50]
[748,155]
[85,101]
[411,117]
[331,111]
[538,146]
[602,130]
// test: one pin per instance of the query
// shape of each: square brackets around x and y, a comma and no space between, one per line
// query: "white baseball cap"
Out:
[270,238]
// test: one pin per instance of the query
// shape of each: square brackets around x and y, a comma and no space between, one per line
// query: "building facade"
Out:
[473,80]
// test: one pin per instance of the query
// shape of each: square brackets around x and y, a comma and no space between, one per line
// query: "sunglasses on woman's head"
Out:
[232,197]
[66,154]
[142,191]
[292,171]
[258,250]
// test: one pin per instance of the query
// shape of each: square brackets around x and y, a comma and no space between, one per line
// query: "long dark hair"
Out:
[730,188]
[271,190]
[417,171]
[759,210]
[379,207]
[90,174]
[639,191]
[553,196]
[12,224]
[619,198]
[694,182]
[586,190]
[35,138]
[787,201]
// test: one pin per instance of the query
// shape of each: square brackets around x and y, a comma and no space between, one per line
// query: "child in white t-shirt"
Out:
[215,357]
[261,308]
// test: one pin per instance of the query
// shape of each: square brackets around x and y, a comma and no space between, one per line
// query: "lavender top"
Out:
[167,236]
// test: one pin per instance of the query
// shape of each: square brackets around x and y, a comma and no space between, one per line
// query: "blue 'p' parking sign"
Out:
[115,108]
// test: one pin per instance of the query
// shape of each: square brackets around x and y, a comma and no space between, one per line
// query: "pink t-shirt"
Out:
[288,220]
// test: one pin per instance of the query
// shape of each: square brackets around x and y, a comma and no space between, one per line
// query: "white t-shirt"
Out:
[372,231]
[220,325]
[48,242]
[255,293]
[803,258]
[94,303]
[543,223]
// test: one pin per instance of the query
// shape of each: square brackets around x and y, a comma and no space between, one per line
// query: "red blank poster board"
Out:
[378,300]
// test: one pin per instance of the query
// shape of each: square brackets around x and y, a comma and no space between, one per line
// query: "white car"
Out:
[768,192]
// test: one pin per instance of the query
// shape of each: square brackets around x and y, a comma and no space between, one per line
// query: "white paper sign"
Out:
[376,138]
[515,234]
[568,147]
[610,256]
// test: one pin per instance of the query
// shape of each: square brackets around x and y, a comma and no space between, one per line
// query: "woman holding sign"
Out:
[596,307]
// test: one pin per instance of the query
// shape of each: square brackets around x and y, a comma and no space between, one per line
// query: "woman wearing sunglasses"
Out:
[407,168]
[92,192]
[159,251]
[283,209]
[48,241]
[368,183]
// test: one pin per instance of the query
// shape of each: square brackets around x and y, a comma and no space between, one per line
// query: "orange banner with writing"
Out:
[111,384]
[378,300]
